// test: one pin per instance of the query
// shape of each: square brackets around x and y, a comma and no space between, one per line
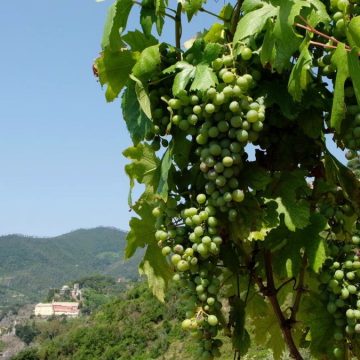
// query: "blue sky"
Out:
[61,166]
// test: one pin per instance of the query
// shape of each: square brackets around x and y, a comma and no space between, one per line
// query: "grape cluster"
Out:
[222,121]
[191,238]
[189,229]
[340,286]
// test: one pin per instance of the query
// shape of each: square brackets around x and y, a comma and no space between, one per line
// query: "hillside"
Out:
[29,266]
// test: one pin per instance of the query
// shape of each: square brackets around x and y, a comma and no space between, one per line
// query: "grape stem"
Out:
[212,14]
[178,29]
[311,29]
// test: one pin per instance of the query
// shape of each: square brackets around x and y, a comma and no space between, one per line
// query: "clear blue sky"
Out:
[61,166]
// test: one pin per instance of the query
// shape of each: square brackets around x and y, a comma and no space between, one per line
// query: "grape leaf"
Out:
[204,78]
[181,149]
[313,314]
[183,78]
[148,63]
[288,258]
[138,41]
[114,69]
[250,5]
[340,60]
[141,229]
[115,24]
[144,168]
[166,164]
[142,96]
[256,177]
[300,74]
[240,337]
[296,211]
[211,52]
[267,330]
[147,19]
[136,120]
[160,8]
[253,22]
[354,70]
[214,34]
[191,7]
[353,32]
[157,270]
[281,41]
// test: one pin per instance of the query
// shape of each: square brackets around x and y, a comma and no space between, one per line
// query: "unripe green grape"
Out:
[242,136]
[201,139]
[350,314]
[223,126]
[342,4]
[338,353]
[212,320]
[238,195]
[175,104]
[186,324]
[352,289]
[196,220]
[331,308]
[175,259]
[236,121]
[228,173]
[220,181]
[183,265]
[228,60]
[228,77]
[156,212]
[206,240]
[234,107]
[227,197]
[252,116]
[219,99]
[198,231]
[246,53]
[227,161]
[217,64]
[184,125]
[339,275]
[201,198]
[215,149]
[213,132]
[166,250]
[350,275]
[211,92]
[192,119]
[257,126]
[246,125]
[219,167]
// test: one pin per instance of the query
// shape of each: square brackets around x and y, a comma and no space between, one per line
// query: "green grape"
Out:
[201,198]
[212,320]
[228,77]
[246,53]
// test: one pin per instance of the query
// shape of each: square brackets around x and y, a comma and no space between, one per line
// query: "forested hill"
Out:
[29,266]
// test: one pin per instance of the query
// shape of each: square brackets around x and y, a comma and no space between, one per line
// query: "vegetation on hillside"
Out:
[30,266]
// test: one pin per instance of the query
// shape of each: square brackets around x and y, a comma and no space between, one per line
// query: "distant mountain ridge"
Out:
[29,265]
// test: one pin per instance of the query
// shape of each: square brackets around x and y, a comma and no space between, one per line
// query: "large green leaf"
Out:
[340,60]
[148,63]
[182,79]
[353,32]
[138,41]
[281,40]
[354,70]
[144,168]
[295,210]
[191,7]
[141,229]
[114,69]
[204,78]
[314,315]
[115,24]
[288,258]
[157,270]
[300,75]
[142,96]
[166,164]
[137,122]
[254,21]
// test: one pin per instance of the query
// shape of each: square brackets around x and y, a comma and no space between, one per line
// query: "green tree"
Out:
[243,202]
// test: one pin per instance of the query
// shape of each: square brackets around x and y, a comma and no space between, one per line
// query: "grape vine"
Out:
[243,204]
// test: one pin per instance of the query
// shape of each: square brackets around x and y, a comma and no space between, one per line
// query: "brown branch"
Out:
[178,29]
[271,294]
[299,290]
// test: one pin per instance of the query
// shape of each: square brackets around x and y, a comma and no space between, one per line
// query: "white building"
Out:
[57,308]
